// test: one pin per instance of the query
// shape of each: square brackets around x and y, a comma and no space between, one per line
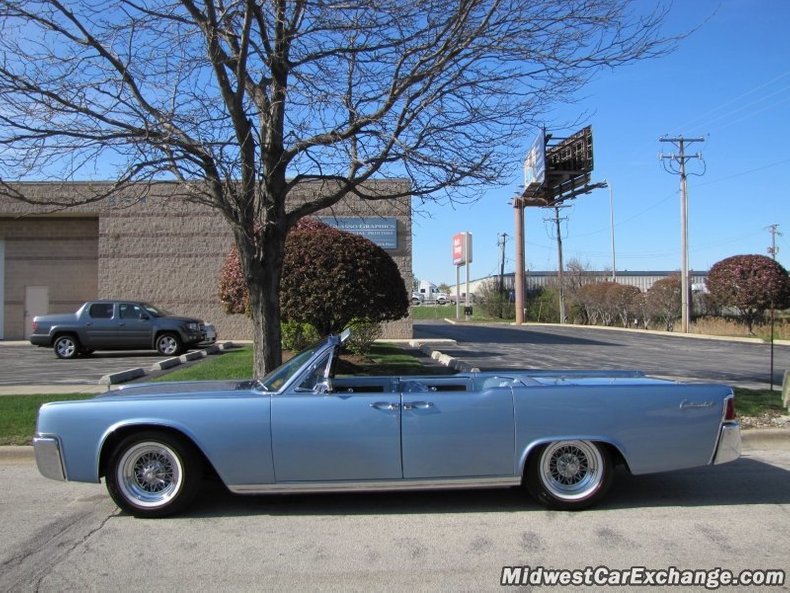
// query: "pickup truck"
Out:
[118,325]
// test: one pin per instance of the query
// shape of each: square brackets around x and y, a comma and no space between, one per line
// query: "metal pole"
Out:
[520,261]
[684,250]
[557,220]
[611,222]
[457,293]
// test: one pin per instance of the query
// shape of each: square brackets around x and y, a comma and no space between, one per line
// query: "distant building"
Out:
[537,280]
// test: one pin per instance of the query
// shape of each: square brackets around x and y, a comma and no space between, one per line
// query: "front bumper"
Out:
[729,446]
[48,458]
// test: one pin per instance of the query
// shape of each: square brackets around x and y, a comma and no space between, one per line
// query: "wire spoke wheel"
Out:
[569,474]
[150,474]
[153,474]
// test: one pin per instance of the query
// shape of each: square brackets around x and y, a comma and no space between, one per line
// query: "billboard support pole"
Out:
[520,263]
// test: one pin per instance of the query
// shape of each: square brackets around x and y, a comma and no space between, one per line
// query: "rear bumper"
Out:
[40,340]
[729,446]
[48,458]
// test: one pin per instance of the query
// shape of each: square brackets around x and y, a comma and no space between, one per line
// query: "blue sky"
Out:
[729,82]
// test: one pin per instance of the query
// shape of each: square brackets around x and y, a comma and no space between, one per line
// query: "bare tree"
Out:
[242,100]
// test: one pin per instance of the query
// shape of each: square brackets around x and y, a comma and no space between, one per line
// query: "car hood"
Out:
[181,319]
[182,389]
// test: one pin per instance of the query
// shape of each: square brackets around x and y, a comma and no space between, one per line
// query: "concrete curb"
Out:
[168,363]
[447,360]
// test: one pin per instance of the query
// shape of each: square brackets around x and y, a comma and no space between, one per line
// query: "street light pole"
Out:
[611,224]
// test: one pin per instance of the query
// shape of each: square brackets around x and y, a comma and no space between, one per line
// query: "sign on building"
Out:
[382,231]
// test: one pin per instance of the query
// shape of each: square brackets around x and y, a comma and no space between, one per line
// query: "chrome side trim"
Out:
[48,458]
[374,486]
[729,445]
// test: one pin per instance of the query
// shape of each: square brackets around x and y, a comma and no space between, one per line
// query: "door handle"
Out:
[417,405]
[384,406]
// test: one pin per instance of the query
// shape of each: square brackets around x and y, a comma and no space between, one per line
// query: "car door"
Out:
[450,430]
[330,437]
[134,327]
[100,326]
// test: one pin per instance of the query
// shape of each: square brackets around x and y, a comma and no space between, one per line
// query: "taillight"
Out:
[729,412]
[35,326]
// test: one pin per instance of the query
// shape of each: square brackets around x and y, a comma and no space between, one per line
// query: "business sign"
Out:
[535,162]
[462,249]
[382,231]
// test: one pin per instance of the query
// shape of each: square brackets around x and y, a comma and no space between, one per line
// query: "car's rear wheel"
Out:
[169,344]
[66,346]
[153,474]
[569,475]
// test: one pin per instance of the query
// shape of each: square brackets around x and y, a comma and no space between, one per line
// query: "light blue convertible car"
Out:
[302,429]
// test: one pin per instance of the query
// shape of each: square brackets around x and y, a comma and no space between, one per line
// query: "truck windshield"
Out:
[155,311]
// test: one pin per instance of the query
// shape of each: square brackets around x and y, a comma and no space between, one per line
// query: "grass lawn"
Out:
[755,402]
[233,364]
[448,312]
[18,415]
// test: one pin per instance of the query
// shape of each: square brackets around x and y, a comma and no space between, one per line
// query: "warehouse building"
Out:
[152,246]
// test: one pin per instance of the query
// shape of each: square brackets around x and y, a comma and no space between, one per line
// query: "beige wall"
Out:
[152,248]
[60,253]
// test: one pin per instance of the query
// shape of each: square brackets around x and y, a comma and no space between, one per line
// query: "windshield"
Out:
[279,376]
[155,311]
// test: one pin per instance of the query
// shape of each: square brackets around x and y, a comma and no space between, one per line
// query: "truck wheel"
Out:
[569,475]
[66,346]
[153,474]
[169,344]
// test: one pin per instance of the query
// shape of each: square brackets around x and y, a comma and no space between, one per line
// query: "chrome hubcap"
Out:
[167,345]
[571,470]
[149,474]
[66,347]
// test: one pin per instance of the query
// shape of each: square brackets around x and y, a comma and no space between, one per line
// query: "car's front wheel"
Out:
[168,344]
[153,474]
[66,346]
[569,475]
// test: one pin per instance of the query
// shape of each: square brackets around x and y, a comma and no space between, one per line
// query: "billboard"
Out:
[462,249]
[535,161]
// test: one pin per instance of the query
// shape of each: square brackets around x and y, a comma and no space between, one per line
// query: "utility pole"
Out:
[557,220]
[502,242]
[677,166]
[773,249]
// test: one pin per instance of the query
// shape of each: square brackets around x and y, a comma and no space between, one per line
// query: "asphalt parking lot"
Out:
[25,364]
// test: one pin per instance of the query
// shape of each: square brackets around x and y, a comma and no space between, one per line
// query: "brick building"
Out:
[150,246]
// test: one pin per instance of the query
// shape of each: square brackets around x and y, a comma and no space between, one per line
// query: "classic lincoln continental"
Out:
[304,429]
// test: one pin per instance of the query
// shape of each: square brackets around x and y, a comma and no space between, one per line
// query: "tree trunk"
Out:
[262,265]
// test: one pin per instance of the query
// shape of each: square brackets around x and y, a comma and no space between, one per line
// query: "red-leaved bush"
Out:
[751,284]
[330,277]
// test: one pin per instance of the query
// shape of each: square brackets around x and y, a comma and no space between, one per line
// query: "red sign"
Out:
[462,249]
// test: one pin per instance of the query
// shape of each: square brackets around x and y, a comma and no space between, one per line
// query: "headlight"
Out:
[193,326]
